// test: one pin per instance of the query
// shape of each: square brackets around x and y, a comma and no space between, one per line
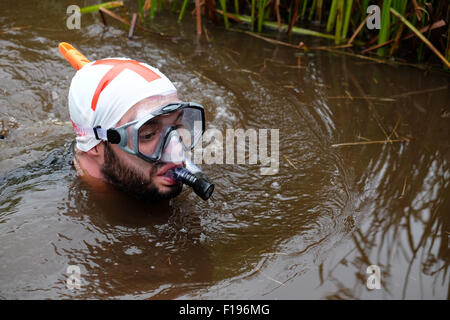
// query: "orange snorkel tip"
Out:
[75,58]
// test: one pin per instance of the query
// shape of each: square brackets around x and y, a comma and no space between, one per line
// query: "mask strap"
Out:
[110,135]
[100,134]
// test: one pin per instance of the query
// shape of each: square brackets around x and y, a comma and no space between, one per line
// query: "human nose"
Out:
[173,149]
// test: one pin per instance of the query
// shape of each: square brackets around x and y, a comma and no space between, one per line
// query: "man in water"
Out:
[132,129]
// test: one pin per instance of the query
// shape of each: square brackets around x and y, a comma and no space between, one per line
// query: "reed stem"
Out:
[319,10]
[261,7]
[332,16]
[312,10]
[305,4]
[236,6]
[198,18]
[183,10]
[106,5]
[421,36]
[284,27]
[339,18]
[252,23]
[364,12]
[141,10]
[348,12]
[223,4]
[447,52]
[383,35]
[152,9]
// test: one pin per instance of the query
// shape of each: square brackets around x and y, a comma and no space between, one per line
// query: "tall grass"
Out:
[348,12]
[106,5]
[183,10]
[383,36]
[447,51]
[332,16]
[313,8]
[252,24]
[341,18]
[223,4]
[305,5]
[261,8]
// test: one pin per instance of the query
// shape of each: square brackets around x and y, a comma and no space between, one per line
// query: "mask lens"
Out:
[188,122]
[149,136]
[190,128]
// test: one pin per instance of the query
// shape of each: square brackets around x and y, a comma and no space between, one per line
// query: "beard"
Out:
[134,183]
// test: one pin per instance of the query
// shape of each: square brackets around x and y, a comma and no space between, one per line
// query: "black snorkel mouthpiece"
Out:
[193,176]
[190,174]
[202,187]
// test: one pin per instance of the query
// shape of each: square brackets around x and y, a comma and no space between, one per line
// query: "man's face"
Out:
[133,175]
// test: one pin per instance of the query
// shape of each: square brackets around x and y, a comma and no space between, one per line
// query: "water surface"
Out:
[308,232]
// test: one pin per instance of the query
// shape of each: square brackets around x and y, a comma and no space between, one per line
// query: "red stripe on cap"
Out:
[118,67]
[80,132]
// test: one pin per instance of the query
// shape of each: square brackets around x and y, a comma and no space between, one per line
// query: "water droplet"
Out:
[275,185]
[55,95]
[133,250]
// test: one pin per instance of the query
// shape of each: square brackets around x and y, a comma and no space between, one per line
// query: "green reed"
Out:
[106,5]
[141,9]
[332,16]
[364,6]
[252,23]
[447,52]
[319,10]
[153,9]
[384,33]
[183,10]
[341,18]
[305,4]
[223,4]
[347,15]
[312,9]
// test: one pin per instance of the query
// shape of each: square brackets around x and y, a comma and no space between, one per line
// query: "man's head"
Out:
[133,175]
[108,94]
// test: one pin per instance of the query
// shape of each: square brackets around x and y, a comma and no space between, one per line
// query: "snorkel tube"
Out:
[190,175]
[75,58]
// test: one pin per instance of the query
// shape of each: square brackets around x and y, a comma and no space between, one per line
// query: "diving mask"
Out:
[148,136]
[165,135]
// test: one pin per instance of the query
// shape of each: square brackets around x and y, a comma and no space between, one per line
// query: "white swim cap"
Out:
[102,91]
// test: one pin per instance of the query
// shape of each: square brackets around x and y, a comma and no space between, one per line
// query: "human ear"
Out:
[97,153]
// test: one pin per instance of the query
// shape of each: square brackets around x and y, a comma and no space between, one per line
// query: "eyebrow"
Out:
[155,121]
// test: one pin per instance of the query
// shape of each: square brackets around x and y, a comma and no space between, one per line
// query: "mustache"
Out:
[156,166]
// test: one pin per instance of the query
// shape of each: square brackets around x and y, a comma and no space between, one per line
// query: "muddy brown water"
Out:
[308,232]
